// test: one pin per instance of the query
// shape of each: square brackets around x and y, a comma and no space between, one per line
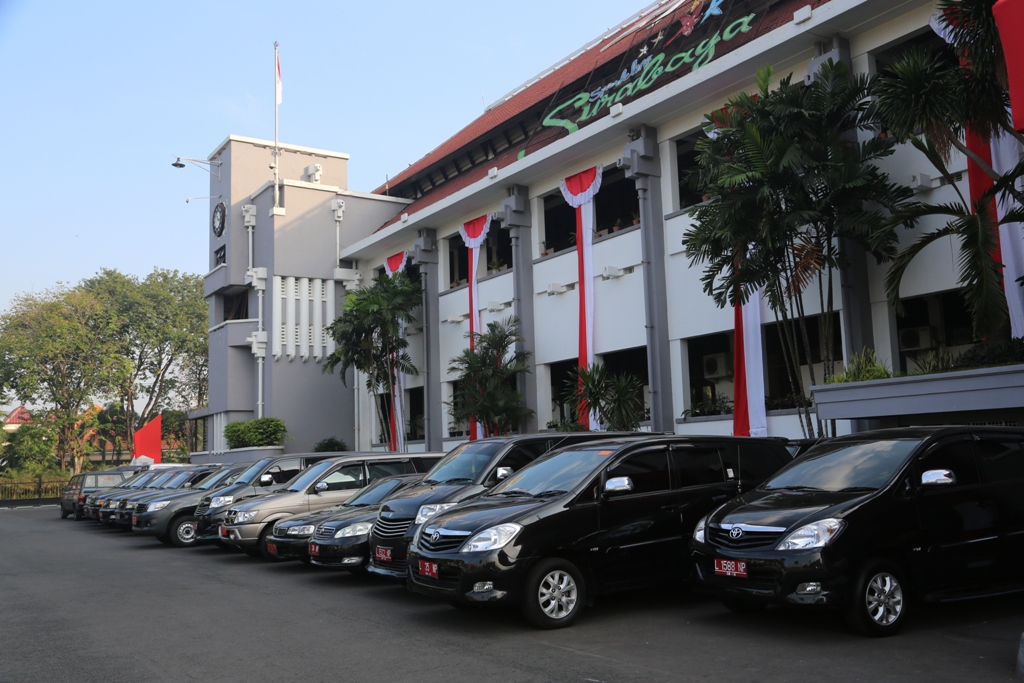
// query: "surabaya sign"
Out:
[651,67]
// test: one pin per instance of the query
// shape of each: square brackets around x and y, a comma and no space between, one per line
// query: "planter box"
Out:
[998,388]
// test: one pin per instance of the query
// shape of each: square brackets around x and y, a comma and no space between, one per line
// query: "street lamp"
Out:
[201,163]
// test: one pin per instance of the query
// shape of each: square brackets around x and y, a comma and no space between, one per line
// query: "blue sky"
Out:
[99,98]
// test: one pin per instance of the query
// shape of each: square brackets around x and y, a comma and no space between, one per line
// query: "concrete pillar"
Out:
[425,255]
[516,217]
[642,162]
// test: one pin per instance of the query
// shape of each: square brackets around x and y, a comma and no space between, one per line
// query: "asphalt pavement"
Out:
[83,603]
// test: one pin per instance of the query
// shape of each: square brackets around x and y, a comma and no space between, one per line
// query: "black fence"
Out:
[31,491]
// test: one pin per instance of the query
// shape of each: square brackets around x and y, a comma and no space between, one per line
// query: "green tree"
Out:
[488,375]
[789,184]
[369,336]
[31,447]
[112,429]
[59,350]
[617,399]
[161,332]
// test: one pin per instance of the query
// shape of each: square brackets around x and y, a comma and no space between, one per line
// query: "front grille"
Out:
[324,532]
[203,507]
[393,566]
[279,531]
[749,539]
[391,528]
[441,545]
[448,578]
[141,507]
[121,504]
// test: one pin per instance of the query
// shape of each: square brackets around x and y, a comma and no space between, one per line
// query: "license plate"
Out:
[223,531]
[314,550]
[135,520]
[428,569]
[737,568]
[382,554]
[272,548]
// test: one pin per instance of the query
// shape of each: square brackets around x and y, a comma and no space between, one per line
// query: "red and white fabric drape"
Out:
[579,191]
[749,417]
[392,266]
[1009,16]
[474,234]
[1002,153]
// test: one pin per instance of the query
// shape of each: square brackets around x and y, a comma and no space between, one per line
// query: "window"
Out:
[346,478]
[523,454]
[1002,460]
[750,462]
[559,225]
[236,306]
[458,261]
[686,162]
[648,471]
[697,466]
[220,256]
[284,471]
[389,468]
[562,374]
[710,362]
[958,458]
[617,205]
[415,430]
[498,249]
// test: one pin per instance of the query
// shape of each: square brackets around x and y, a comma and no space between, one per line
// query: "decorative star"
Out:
[716,8]
[643,51]
[658,38]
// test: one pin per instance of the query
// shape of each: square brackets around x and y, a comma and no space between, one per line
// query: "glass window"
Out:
[958,458]
[249,475]
[845,465]
[389,468]
[284,471]
[87,482]
[1001,459]
[696,466]
[346,478]
[375,492]
[107,480]
[560,472]
[523,454]
[309,476]
[648,471]
[751,462]
[465,463]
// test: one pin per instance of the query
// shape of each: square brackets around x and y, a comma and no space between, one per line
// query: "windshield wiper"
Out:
[454,480]
[857,489]
[795,488]
[552,492]
[431,481]
[514,492]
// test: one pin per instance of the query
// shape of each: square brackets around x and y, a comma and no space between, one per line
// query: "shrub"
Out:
[1005,353]
[330,445]
[721,405]
[264,431]
[862,366]
[234,433]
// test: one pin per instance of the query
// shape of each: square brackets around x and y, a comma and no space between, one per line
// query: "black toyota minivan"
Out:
[873,522]
[588,519]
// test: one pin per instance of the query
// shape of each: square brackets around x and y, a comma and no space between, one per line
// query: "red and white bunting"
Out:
[749,417]
[1009,16]
[392,266]
[395,264]
[474,234]
[579,191]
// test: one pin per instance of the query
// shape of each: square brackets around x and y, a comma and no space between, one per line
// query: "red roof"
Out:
[18,416]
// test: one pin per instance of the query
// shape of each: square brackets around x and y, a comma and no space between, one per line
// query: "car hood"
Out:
[407,503]
[303,518]
[481,514]
[785,509]
[270,501]
[351,516]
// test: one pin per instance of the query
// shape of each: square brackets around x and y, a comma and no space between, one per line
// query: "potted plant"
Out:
[636,218]
[618,225]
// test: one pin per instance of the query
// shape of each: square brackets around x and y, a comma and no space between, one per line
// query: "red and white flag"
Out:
[474,234]
[392,266]
[579,191]
[749,417]
[277,87]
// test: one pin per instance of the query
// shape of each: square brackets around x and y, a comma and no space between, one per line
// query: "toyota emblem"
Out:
[735,532]
[435,537]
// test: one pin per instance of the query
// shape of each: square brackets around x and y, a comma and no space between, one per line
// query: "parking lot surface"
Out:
[83,603]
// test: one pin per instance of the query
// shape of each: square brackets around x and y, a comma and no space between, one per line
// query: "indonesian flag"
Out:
[474,234]
[277,83]
[149,440]
[1009,16]
[1001,153]
[392,266]
[749,418]
[579,191]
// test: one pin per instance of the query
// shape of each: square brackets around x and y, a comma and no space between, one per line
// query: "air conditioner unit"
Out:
[555,288]
[717,365]
[612,272]
[917,338]
[455,318]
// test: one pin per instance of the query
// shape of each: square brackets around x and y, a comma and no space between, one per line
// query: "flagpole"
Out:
[277,103]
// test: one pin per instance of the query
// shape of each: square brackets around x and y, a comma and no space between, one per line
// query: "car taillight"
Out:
[81,498]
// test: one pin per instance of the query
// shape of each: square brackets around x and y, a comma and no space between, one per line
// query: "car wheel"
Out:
[554,594]
[183,531]
[879,602]
[740,606]
[63,513]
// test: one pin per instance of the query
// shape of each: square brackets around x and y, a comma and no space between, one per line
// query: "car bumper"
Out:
[460,575]
[289,547]
[243,534]
[155,523]
[340,553]
[208,525]
[395,567]
[773,577]
[106,515]
[123,517]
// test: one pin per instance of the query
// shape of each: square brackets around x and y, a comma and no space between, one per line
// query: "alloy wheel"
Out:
[557,594]
[884,598]
[187,532]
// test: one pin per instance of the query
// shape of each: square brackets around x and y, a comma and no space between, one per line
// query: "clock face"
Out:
[219,218]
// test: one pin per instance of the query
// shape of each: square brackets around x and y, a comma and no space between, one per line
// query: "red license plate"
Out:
[223,531]
[272,548]
[382,554]
[135,520]
[428,569]
[737,568]
[314,550]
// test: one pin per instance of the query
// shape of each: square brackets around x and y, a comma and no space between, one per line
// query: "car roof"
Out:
[925,432]
[619,442]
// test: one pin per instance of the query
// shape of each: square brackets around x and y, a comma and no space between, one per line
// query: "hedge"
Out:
[264,431]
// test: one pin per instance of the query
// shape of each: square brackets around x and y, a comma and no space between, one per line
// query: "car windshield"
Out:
[844,466]
[159,480]
[213,480]
[305,479]
[250,474]
[464,464]
[554,474]
[178,481]
[141,481]
[374,493]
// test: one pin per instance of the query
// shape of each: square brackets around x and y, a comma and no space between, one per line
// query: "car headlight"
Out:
[814,535]
[221,501]
[492,539]
[305,530]
[246,516]
[130,506]
[428,511]
[153,507]
[698,532]
[360,529]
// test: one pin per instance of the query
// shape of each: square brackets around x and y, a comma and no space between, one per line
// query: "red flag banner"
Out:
[149,440]
[1009,16]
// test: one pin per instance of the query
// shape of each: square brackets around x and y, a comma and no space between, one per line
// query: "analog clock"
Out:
[219,219]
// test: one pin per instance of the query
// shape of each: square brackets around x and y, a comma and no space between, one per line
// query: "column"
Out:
[425,255]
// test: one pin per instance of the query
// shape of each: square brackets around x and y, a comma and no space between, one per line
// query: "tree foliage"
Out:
[263,431]
[617,399]
[30,447]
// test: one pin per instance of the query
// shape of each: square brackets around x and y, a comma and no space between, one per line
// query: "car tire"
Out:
[63,513]
[554,594]
[740,606]
[182,532]
[879,601]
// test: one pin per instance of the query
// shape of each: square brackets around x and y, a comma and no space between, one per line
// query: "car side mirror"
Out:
[321,486]
[618,485]
[266,480]
[504,473]
[938,478]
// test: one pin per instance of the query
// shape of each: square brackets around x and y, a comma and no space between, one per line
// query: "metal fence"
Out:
[31,490]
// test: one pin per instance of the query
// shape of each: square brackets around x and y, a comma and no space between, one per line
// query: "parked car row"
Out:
[869,523]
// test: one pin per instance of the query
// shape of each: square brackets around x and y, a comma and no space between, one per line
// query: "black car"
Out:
[81,486]
[466,471]
[170,517]
[95,501]
[872,523]
[182,480]
[588,519]
[108,514]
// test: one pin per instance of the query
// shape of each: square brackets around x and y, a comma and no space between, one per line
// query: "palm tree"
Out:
[488,375]
[369,336]
[617,399]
